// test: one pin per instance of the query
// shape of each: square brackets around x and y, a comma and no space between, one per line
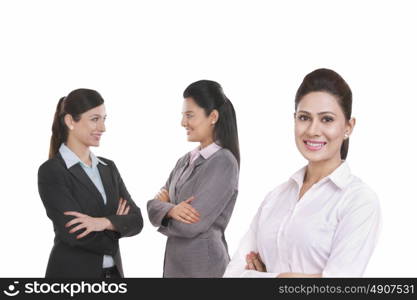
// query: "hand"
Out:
[254,262]
[162,195]
[123,208]
[184,212]
[89,223]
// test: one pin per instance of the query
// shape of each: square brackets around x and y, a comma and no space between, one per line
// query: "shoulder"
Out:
[53,165]
[273,196]
[52,171]
[359,195]
[358,188]
[183,159]
[224,158]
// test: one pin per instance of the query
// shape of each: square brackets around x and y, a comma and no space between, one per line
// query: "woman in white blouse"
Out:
[323,221]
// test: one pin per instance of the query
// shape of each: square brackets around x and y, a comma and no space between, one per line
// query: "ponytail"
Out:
[225,130]
[59,130]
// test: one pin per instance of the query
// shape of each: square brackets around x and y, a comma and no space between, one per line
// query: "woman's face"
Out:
[90,127]
[320,127]
[199,127]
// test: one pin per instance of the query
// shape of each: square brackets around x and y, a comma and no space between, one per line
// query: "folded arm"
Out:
[58,199]
[217,187]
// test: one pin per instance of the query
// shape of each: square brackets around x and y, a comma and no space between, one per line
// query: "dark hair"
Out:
[325,80]
[76,103]
[209,95]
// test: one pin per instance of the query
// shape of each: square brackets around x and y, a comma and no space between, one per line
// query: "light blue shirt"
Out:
[70,159]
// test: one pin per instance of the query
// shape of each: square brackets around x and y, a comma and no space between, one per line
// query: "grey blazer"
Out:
[198,249]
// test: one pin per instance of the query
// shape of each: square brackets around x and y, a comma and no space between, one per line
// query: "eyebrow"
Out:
[187,112]
[97,115]
[320,113]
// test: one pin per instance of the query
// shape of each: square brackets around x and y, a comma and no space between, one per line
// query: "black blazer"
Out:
[63,189]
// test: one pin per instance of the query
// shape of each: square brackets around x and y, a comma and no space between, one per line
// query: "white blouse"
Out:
[332,230]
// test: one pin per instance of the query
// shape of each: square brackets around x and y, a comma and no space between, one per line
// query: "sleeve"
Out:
[356,235]
[216,189]
[237,265]
[132,223]
[57,199]
[157,210]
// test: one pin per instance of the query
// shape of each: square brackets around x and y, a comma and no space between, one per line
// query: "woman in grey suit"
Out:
[195,205]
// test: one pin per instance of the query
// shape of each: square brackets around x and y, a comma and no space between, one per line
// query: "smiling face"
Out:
[199,127]
[88,130]
[320,127]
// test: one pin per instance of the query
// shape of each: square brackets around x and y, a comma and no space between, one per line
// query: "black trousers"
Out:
[110,273]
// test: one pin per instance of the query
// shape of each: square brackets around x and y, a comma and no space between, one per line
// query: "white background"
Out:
[140,55]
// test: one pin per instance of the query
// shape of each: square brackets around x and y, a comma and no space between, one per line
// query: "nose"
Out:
[314,128]
[183,121]
[101,126]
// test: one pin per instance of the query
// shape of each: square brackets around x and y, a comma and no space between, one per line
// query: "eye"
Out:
[189,116]
[95,119]
[303,117]
[327,119]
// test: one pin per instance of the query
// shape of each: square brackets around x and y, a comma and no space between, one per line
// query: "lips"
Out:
[97,136]
[314,145]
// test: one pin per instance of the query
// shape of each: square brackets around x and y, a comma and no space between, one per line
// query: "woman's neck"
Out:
[318,170]
[204,144]
[82,151]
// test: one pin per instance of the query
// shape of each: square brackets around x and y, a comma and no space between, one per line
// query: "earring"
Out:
[346,135]
[71,127]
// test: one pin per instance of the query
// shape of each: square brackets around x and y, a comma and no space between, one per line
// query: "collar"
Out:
[340,176]
[71,159]
[298,176]
[206,152]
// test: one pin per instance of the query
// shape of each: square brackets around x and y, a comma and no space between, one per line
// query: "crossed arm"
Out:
[99,234]
[193,216]
[255,263]
[91,224]
[183,212]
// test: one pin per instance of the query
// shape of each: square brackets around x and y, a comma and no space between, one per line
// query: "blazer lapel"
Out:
[177,178]
[199,161]
[187,173]
[81,176]
[106,176]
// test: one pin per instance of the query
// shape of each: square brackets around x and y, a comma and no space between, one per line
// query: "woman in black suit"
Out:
[84,195]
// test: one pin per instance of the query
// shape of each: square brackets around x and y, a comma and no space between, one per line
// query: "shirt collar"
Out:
[340,177]
[298,176]
[71,159]
[206,152]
